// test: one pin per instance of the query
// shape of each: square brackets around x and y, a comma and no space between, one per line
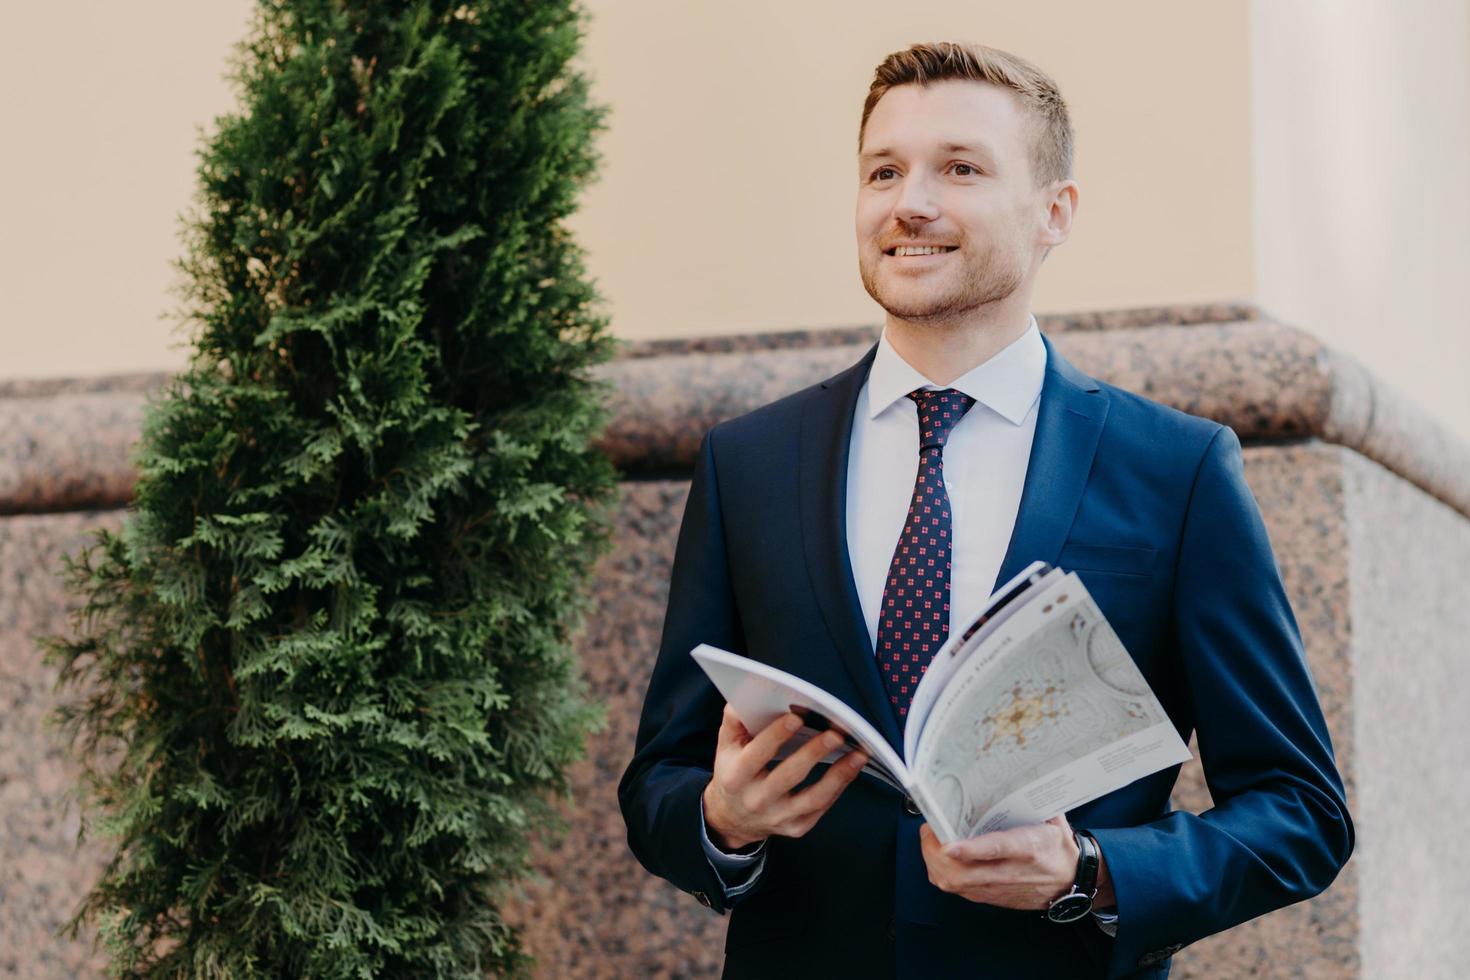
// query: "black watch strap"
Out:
[1078,902]
[1087,862]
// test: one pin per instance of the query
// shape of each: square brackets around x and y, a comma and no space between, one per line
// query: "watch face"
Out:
[1069,908]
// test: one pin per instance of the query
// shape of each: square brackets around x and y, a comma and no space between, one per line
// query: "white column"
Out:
[1361,168]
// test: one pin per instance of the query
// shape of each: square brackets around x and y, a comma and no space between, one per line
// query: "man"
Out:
[791,551]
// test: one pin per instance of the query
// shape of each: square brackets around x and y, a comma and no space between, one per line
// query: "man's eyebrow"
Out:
[975,146]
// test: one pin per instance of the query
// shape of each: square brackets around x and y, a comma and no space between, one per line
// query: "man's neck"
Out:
[943,353]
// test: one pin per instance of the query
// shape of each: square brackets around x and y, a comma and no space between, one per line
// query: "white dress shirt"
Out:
[985,461]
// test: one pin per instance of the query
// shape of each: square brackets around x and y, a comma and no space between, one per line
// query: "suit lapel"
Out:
[1070,422]
[826,433]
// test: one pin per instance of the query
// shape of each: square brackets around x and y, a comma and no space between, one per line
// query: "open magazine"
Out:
[1033,709]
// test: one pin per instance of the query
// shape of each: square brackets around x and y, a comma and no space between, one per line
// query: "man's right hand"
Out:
[744,803]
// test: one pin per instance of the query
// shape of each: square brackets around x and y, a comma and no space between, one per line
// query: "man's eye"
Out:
[972,171]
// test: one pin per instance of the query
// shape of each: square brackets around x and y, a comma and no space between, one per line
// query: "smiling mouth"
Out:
[893,252]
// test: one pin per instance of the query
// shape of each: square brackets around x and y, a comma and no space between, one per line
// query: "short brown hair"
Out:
[920,64]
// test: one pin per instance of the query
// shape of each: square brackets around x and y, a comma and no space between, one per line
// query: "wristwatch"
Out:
[1078,902]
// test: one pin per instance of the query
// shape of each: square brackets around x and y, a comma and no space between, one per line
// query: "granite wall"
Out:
[43,873]
[1368,508]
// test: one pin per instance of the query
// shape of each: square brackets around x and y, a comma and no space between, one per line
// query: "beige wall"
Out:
[98,108]
[721,206]
[1362,171]
[726,191]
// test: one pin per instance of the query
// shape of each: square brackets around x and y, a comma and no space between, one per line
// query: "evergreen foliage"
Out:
[321,680]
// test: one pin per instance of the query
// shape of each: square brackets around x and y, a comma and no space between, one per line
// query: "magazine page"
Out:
[1049,713]
[1001,605]
[760,694]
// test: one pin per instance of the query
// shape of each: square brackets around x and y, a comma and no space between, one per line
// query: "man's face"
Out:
[980,199]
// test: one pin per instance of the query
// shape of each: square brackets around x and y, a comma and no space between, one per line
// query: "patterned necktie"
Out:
[914,619]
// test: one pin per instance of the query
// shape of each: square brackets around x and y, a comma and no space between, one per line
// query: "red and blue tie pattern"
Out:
[914,620]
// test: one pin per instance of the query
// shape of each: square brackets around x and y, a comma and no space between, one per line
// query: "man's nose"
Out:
[916,200]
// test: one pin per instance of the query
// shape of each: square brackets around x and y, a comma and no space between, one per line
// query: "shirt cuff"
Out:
[732,867]
[1106,921]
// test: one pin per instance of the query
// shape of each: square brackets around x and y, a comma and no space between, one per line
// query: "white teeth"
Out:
[926,250]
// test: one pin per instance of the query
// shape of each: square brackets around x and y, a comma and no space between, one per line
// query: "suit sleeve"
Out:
[674,753]
[738,872]
[1279,831]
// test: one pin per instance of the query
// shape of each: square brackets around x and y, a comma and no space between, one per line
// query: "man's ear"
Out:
[1061,210]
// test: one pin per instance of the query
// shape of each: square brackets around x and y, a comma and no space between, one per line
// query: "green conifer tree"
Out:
[321,680]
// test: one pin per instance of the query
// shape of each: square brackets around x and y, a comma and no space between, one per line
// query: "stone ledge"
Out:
[1051,323]
[65,443]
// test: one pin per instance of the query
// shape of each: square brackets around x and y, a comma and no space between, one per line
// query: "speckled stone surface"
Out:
[614,919]
[1133,316]
[1299,489]
[68,449]
[43,875]
[594,913]
[1265,380]
[597,913]
[1374,564]
[1050,323]
[139,381]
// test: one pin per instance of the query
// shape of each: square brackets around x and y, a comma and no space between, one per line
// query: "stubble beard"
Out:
[990,278]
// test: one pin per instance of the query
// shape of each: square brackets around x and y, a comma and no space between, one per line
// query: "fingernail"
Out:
[831,740]
[793,723]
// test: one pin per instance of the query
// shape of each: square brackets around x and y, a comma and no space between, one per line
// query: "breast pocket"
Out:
[1125,583]
[1116,559]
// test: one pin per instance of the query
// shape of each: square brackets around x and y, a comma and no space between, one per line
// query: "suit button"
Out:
[702,899]
[910,807]
[892,930]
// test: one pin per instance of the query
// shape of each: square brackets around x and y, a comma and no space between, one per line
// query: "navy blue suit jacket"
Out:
[1150,507]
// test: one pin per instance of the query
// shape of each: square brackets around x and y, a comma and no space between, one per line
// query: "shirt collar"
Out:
[1008,383]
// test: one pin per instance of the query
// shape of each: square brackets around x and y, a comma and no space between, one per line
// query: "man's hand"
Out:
[744,803]
[1021,868]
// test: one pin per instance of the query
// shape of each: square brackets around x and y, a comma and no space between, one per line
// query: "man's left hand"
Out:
[1021,868]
